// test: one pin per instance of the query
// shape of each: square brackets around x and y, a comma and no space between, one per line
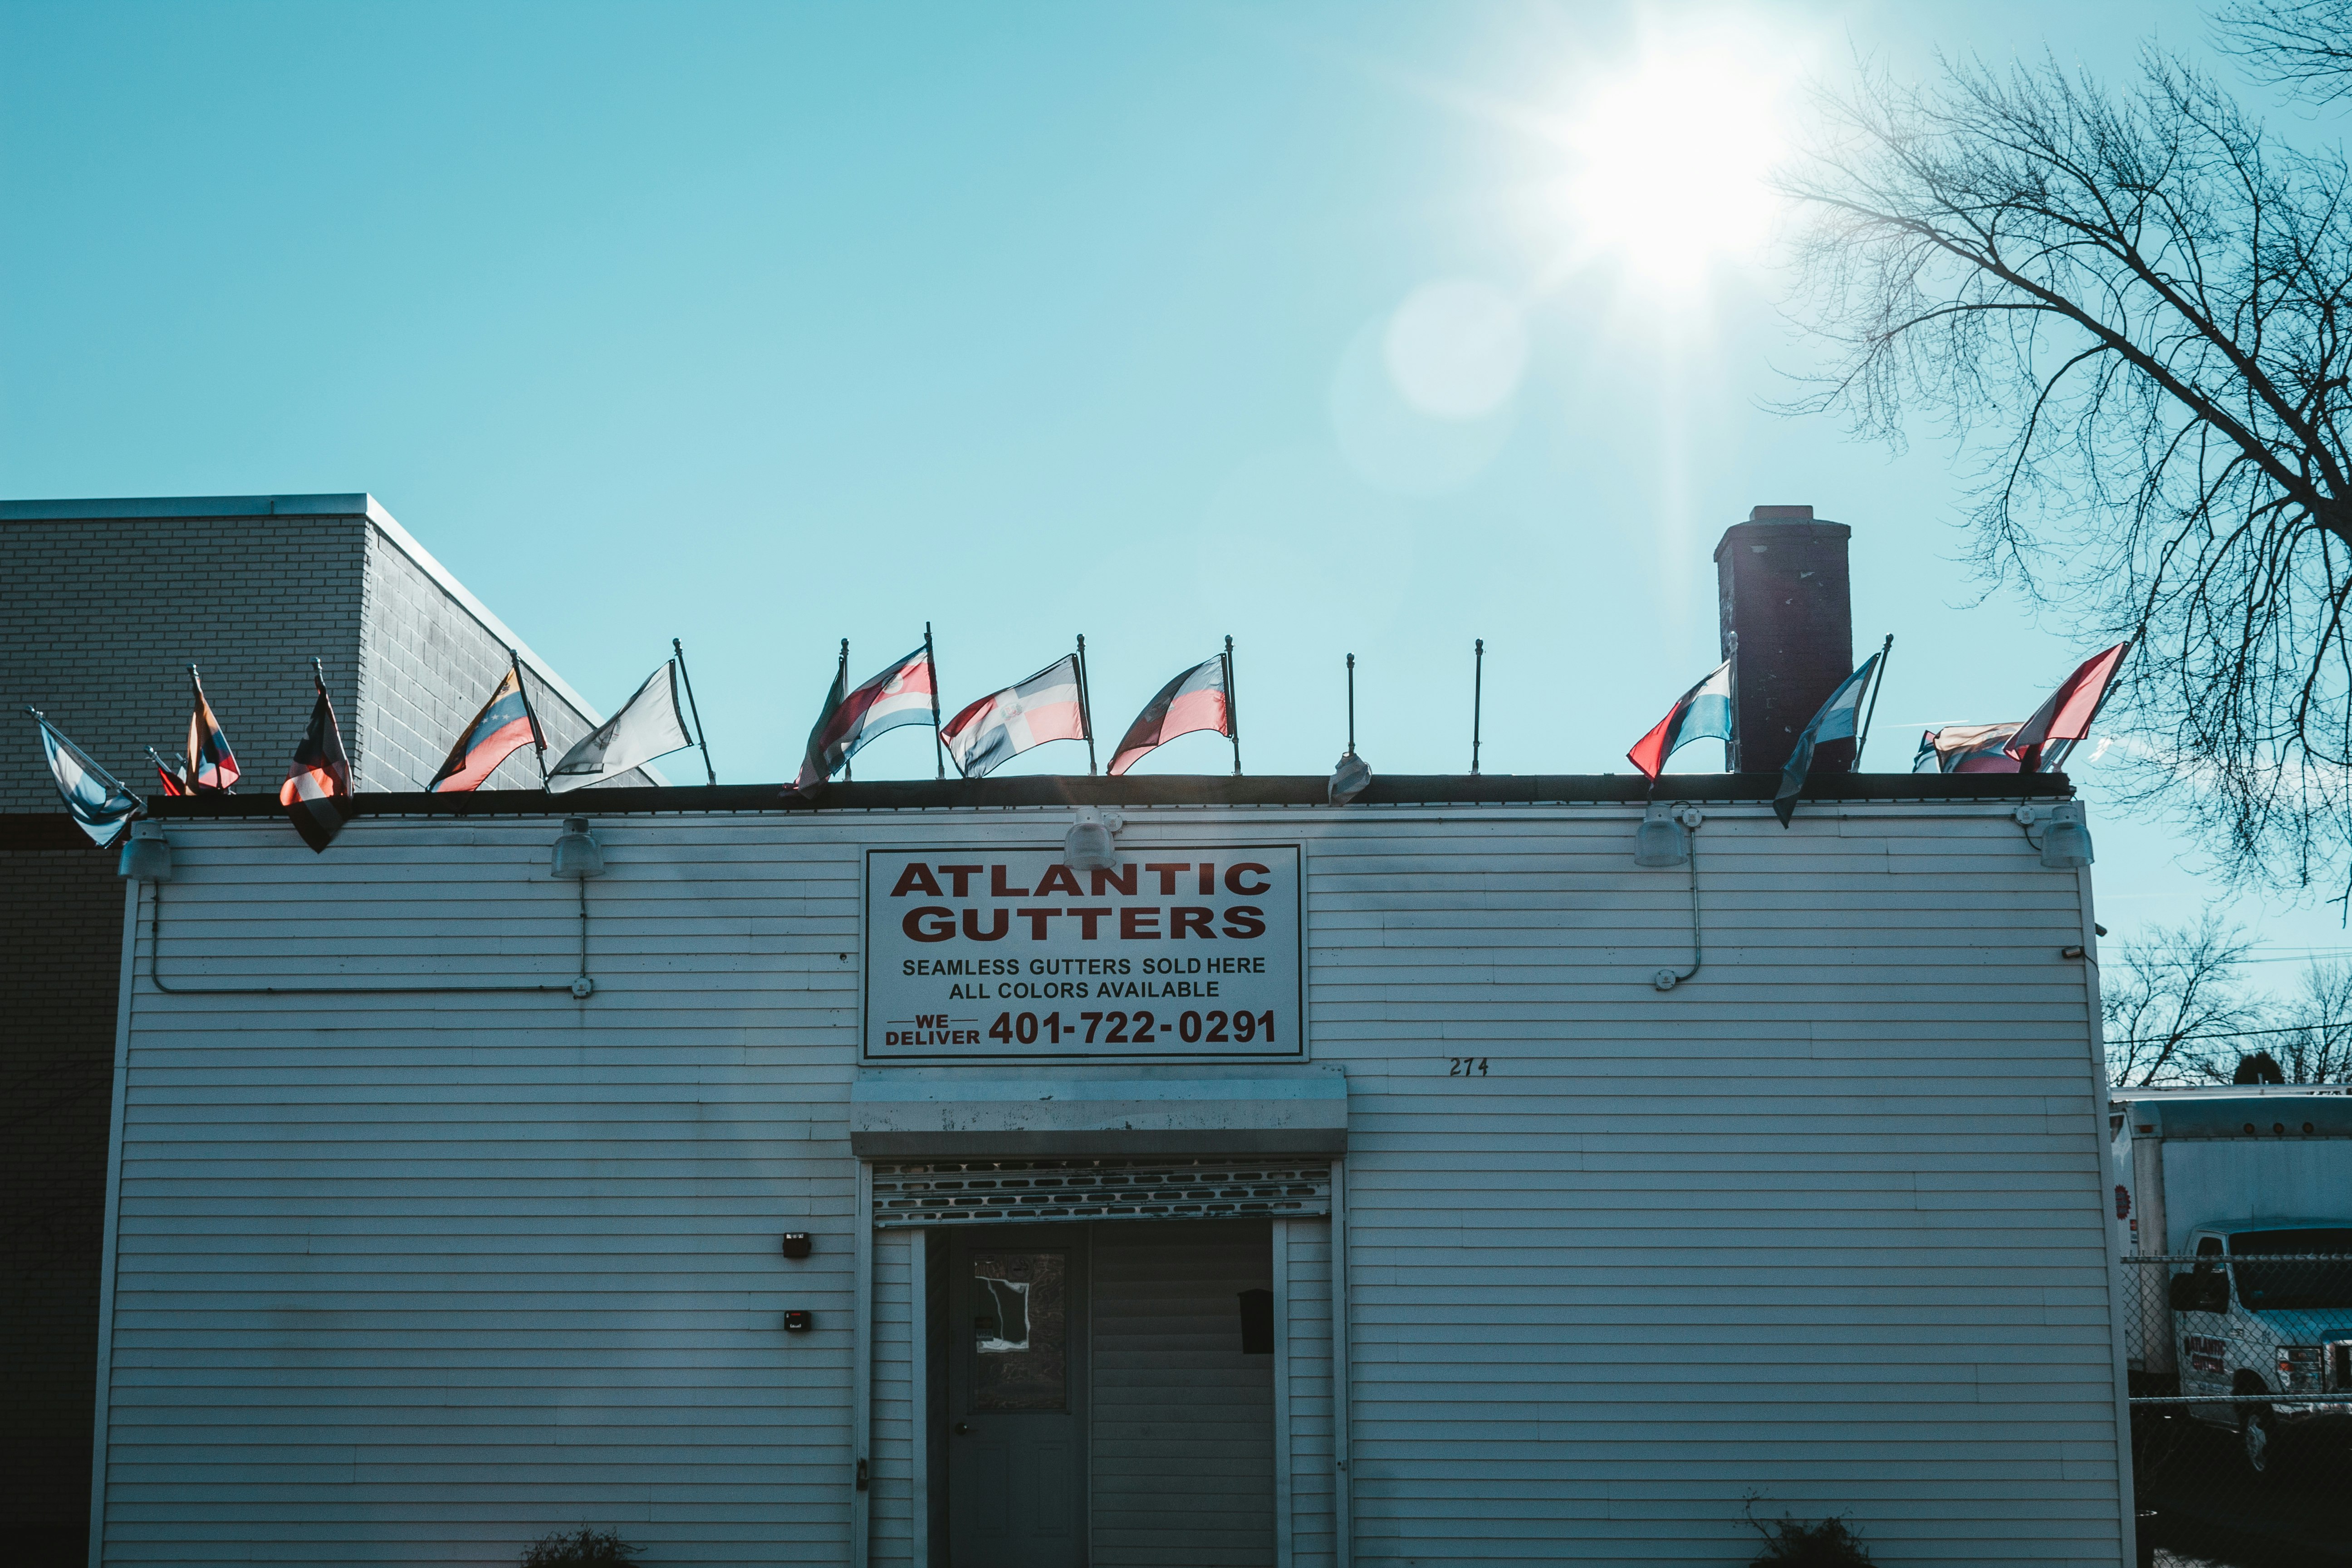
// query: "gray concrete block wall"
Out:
[100,617]
[427,666]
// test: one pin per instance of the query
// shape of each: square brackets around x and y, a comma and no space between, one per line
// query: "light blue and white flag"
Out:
[1839,720]
[97,799]
[1703,712]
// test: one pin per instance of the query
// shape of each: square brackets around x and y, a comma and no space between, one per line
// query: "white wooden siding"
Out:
[898,1259]
[416,1278]
[1180,1439]
[1308,1322]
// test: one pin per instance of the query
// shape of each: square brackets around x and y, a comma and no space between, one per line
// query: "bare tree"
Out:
[2173,1006]
[2318,1050]
[2132,311]
[2301,46]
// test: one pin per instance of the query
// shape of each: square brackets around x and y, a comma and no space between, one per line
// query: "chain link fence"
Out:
[2240,1370]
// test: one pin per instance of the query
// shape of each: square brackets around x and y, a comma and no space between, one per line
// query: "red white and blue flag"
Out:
[2044,740]
[211,764]
[504,726]
[1966,749]
[317,793]
[1702,713]
[1048,706]
[905,692]
[174,781]
[1199,698]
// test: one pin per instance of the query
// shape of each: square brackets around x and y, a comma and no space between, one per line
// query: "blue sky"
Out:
[765,326]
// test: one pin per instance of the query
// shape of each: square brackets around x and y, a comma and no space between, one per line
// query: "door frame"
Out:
[923,1482]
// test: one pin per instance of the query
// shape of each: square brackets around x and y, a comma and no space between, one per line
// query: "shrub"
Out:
[1793,1543]
[582,1548]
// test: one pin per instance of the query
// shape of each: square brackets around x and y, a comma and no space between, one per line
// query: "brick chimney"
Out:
[1788,625]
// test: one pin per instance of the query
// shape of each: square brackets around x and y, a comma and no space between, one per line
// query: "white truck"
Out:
[2240,1202]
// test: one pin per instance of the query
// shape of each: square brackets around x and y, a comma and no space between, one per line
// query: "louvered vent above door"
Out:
[1029,1191]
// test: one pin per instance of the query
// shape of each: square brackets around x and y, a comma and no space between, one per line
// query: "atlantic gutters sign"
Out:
[1010,955]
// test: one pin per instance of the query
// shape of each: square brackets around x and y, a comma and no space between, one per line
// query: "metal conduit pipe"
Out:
[1688,818]
[580,986]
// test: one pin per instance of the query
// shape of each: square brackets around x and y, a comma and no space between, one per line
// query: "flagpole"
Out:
[196,751]
[691,706]
[841,684]
[1477,700]
[1351,704]
[1086,707]
[939,748]
[1233,709]
[1877,680]
[537,738]
[1731,758]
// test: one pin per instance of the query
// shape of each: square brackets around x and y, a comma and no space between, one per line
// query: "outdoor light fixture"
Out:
[1661,840]
[796,1244]
[576,857]
[2066,841]
[1088,846]
[146,854]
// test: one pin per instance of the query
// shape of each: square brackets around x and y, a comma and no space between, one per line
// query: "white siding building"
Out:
[415,1254]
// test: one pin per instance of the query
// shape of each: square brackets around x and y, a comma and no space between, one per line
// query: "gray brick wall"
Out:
[100,618]
[427,665]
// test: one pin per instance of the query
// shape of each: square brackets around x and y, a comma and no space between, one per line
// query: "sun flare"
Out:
[1670,161]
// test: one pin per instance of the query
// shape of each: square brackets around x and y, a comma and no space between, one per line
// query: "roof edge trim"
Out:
[1167,790]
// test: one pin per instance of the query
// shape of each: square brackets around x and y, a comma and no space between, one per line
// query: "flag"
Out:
[1838,720]
[1197,700]
[1702,713]
[649,725]
[95,798]
[1966,749]
[812,769]
[317,793]
[1350,776]
[502,727]
[2066,717]
[998,727]
[211,764]
[900,695]
[174,782]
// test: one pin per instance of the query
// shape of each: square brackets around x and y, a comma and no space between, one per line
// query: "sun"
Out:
[1670,162]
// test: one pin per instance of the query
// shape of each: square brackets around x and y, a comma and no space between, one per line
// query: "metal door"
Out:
[1016,1398]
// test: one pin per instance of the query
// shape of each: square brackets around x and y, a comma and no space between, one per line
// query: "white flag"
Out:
[95,798]
[648,726]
